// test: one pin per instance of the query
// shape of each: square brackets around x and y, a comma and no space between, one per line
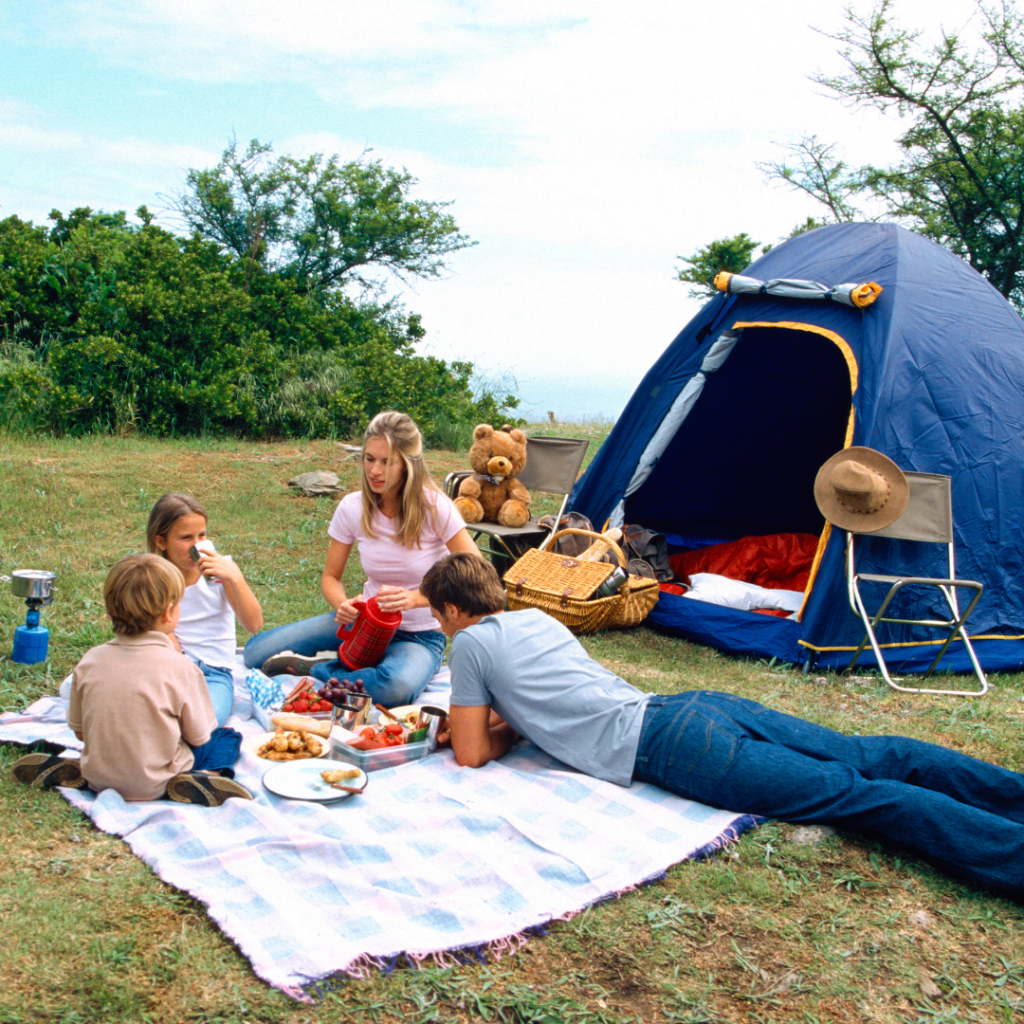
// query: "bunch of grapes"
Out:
[337,691]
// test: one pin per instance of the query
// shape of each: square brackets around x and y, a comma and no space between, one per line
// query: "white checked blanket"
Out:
[431,858]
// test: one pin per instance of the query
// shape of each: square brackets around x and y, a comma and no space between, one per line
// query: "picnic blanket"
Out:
[430,860]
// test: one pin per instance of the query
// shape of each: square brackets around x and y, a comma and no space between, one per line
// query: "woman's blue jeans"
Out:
[964,815]
[409,663]
[308,637]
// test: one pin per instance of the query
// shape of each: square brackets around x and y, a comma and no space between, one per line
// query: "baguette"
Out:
[596,550]
[301,723]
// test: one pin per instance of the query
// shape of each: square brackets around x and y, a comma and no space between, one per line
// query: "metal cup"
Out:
[355,712]
[431,718]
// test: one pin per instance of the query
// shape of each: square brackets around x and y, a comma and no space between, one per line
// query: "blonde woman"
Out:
[401,524]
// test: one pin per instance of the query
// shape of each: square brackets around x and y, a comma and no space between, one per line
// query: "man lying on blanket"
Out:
[524,674]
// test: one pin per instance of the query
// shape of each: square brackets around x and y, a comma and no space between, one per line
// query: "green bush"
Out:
[112,328]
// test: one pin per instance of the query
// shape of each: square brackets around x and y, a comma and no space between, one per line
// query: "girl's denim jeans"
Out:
[221,684]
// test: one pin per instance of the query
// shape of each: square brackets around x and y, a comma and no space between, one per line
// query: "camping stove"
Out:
[31,641]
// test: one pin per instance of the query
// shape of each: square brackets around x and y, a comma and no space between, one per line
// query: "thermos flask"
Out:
[364,642]
[611,585]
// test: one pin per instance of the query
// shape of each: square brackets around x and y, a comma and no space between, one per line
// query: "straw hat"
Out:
[861,490]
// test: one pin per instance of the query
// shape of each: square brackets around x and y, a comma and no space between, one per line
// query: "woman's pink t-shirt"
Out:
[385,560]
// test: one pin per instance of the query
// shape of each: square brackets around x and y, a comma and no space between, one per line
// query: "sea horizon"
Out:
[574,397]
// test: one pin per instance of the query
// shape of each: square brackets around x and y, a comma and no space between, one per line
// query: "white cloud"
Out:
[246,40]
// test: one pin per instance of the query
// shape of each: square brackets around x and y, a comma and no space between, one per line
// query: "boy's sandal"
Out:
[48,770]
[204,790]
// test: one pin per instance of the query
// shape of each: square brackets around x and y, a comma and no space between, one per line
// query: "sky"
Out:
[585,145]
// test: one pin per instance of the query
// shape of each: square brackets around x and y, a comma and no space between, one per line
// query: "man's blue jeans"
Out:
[408,665]
[964,815]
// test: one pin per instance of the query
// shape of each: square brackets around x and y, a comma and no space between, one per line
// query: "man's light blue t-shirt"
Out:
[536,675]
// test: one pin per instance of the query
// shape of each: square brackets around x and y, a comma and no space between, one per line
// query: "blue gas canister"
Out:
[31,644]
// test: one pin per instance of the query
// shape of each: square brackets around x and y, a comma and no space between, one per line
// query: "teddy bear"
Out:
[493,494]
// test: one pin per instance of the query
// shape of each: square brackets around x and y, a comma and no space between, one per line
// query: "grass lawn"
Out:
[788,925]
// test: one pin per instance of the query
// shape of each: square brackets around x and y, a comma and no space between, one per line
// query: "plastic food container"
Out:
[388,757]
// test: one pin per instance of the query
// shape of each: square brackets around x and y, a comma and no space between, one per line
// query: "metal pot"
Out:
[32,584]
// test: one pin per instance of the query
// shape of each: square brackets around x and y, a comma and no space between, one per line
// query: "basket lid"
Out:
[556,574]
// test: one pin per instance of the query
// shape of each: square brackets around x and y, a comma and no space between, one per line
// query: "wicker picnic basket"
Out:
[561,586]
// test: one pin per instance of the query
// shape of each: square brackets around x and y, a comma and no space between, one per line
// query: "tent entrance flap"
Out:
[743,460]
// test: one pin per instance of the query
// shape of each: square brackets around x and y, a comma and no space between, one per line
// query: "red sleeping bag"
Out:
[780,561]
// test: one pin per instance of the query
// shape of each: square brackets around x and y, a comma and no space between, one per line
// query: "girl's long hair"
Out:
[404,440]
[166,512]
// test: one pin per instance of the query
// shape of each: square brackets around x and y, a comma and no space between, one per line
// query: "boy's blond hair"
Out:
[466,581]
[138,590]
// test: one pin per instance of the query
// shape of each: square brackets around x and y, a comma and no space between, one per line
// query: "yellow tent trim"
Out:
[926,643]
[836,339]
[851,362]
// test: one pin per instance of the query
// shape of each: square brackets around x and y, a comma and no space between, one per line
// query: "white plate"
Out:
[300,780]
[399,713]
[253,743]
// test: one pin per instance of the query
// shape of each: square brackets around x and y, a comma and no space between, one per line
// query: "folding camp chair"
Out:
[928,519]
[552,465]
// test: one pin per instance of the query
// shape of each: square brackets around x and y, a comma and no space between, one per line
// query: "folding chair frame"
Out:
[922,486]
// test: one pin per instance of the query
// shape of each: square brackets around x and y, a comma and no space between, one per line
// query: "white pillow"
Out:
[729,593]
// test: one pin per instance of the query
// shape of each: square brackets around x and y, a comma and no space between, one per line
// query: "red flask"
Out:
[364,642]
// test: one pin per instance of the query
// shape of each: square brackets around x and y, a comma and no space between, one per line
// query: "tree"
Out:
[961,178]
[320,222]
[823,176]
[731,254]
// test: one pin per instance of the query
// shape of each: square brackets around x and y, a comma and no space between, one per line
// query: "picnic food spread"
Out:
[401,735]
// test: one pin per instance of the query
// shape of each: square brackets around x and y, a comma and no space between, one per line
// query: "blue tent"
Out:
[724,436]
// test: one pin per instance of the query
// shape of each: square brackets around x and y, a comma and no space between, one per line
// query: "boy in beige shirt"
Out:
[140,706]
